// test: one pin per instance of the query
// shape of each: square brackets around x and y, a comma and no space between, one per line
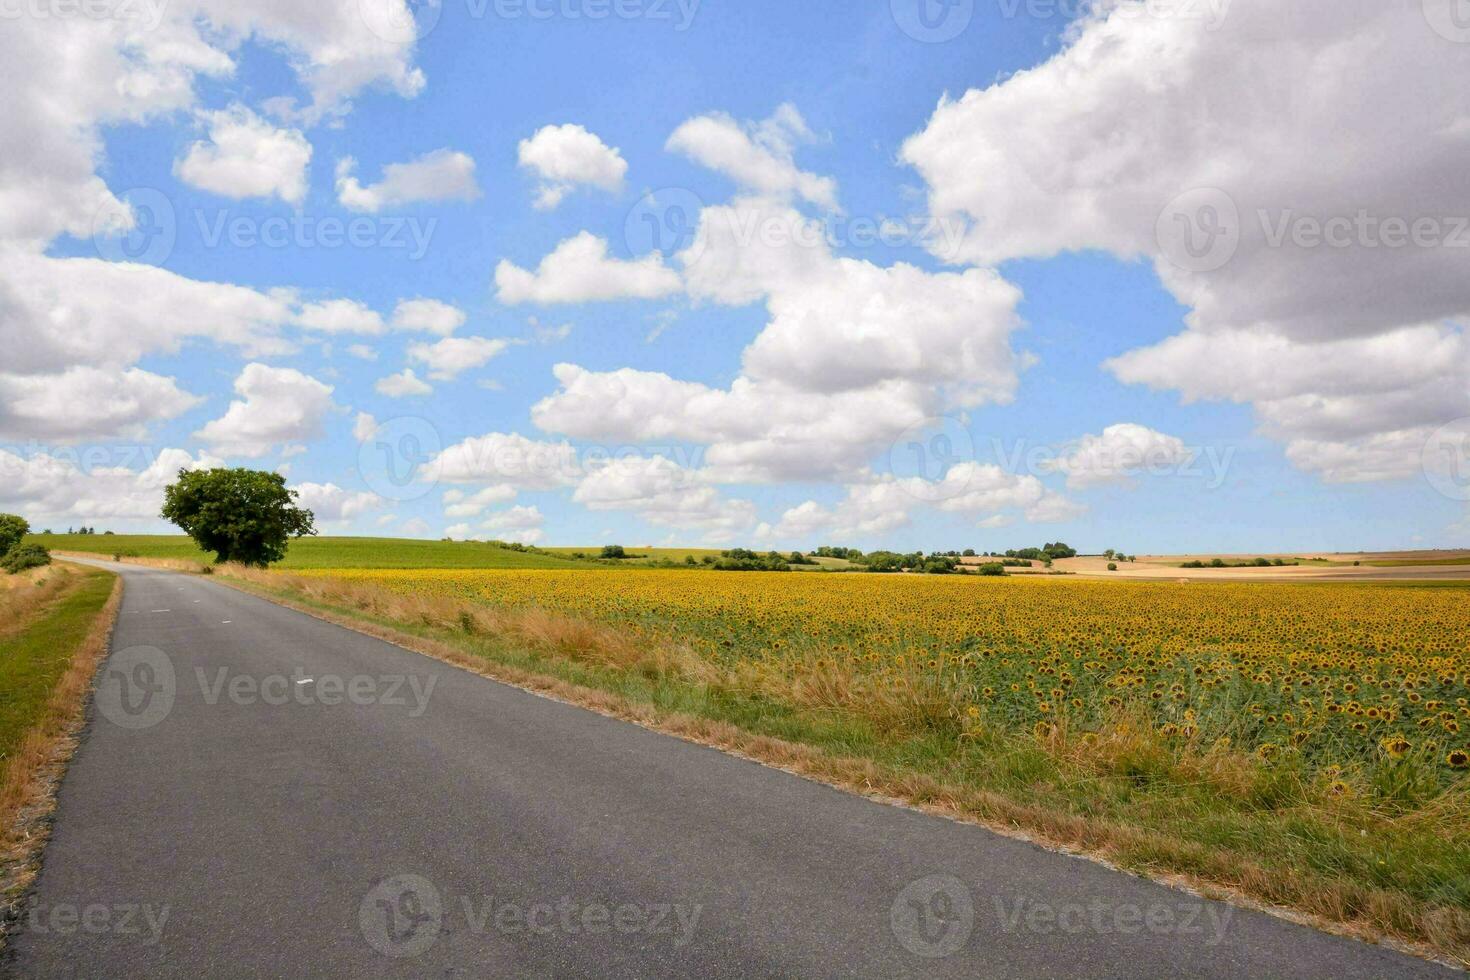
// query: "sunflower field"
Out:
[1343,678]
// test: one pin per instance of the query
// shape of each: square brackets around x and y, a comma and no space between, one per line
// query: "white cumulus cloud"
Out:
[246,156]
[568,156]
[443,175]
[579,270]
[757,156]
[277,407]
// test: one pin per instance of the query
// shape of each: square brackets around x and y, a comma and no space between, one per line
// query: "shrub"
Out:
[1112,566]
[993,568]
[24,556]
[614,551]
[754,563]
[12,529]
[884,561]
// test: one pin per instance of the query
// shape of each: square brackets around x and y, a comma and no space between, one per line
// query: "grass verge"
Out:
[1217,823]
[47,660]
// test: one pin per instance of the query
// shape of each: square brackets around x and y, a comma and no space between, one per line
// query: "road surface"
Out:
[260,793]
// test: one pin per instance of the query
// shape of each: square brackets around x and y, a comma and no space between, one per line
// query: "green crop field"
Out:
[320,552]
[641,556]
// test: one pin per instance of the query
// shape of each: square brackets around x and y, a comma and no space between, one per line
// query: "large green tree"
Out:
[240,515]
[12,529]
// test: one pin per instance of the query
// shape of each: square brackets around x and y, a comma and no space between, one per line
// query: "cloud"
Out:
[580,271]
[55,486]
[523,524]
[58,313]
[404,384]
[427,316]
[1119,453]
[869,510]
[458,503]
[70,76]
[1289,221]
[340,316]
[364,427]
[1351,410]
[277,406]
[87,403]
[853,356]
[568,156]
[757,156]
[664,494]
[452,356]
[887,503]
[331,504]
[443,175]
[508,459]
[416,527]
[245,156]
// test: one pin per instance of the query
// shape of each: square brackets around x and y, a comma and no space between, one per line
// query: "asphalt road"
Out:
[260,793]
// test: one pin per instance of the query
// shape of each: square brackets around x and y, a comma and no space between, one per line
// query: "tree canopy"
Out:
[12,529]
[239,514]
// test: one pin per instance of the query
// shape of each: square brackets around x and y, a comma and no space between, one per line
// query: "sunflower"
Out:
[1397,748]
[1458,759]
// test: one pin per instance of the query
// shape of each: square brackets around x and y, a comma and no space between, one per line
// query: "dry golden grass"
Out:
[23,595]
[29,777]
[1339,904]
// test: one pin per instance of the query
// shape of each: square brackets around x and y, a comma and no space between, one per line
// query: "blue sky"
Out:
[1051,183]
